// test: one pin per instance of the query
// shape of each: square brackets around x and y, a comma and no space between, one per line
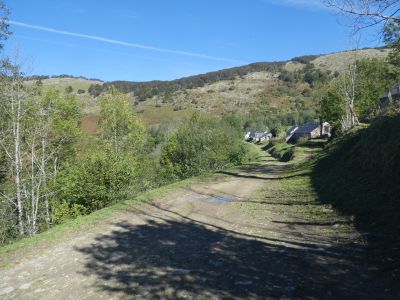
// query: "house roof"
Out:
[307,128]
[259,134]
[292,129]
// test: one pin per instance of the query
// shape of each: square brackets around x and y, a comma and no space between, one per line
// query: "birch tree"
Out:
[37,132]
[53,123]
[13,108]
[348,85]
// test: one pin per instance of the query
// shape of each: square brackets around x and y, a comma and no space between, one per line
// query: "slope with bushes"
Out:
[359,174]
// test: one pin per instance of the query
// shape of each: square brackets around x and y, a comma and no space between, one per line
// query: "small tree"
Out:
[392,38]
[119,125]
[69,89]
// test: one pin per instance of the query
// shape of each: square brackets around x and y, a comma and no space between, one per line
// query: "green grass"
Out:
[254,153]
[281,150]
[163,115]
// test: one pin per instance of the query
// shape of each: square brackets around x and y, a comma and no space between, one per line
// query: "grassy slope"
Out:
[62,83]
[165,115]
[339,61]
[242,95]
[359,175]
[260,89]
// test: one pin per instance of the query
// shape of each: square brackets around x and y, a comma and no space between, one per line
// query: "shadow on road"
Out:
[166,258]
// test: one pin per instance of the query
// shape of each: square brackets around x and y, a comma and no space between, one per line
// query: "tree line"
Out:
[145,90]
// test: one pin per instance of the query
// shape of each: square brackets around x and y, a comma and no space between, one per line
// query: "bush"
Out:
[69,89]
[62,211]
[101,179]
[200,145]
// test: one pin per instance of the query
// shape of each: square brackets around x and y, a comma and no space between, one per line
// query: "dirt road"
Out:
[256,232]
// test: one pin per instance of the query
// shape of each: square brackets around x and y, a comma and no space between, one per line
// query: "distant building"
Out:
[257,136]
[391,96]
[308,131]
[249,136]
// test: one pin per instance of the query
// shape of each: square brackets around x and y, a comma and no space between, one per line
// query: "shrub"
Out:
[62,211]
[200,145]
[101,179]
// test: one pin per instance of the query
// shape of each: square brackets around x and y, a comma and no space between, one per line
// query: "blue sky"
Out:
[144,40]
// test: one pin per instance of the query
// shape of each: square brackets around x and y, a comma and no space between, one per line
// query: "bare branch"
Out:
[367,13]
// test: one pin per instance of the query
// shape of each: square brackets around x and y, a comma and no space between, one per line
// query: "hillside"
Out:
[365,165]
[269,88]
[77,83]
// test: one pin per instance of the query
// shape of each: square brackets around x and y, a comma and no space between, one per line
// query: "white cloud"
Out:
[122,43]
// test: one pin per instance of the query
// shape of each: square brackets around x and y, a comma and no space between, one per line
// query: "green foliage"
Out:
[306,59]
[331,105]
[158,133]
[391,36]
[278,131]
[69,89]
[200,145]
[115,168]
[100,179]
[287,76]
[95,90]
[4,24]
[264,120]
[313,75]
[120,129]
[48,133]
[62,211]
[234,121]
[374,78]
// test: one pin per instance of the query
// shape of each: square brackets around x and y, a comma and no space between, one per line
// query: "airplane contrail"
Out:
[122,43]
